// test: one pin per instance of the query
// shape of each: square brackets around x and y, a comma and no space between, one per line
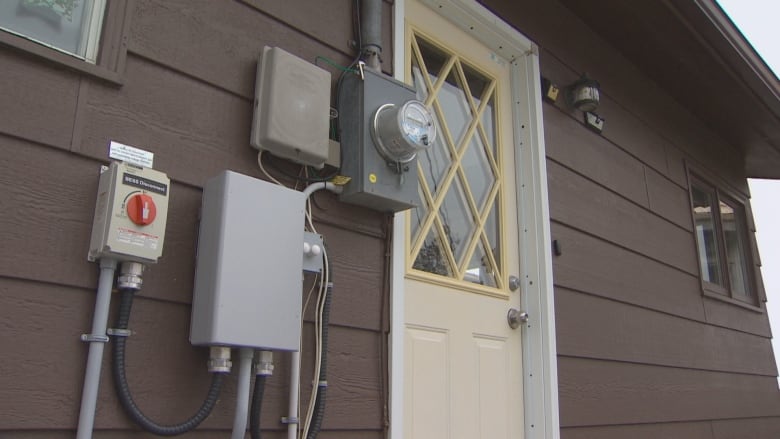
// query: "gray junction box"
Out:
[375,183]
[248,276]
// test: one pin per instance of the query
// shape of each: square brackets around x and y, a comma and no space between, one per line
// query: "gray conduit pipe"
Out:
[292,408]
[97,340]
[242,393]
[371,32]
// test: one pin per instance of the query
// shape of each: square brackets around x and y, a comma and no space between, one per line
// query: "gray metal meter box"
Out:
[292,108]
[374,183]
[130,214]
[248,275]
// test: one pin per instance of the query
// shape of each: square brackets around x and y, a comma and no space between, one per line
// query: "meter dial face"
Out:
[399,132]
[417,124]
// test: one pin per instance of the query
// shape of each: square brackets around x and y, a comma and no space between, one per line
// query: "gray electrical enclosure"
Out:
[375,183]
[248,277]
[292,106]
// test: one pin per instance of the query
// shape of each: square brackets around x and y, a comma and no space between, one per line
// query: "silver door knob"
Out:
[514,283]
[515,317]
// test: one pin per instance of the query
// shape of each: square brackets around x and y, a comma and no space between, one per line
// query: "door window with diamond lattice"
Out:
[455,232]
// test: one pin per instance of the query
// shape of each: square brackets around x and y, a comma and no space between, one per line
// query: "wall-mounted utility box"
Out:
[292,108]
[130,214]
[375,183]
[248,277]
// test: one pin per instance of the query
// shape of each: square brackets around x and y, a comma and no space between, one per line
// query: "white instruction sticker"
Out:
[132,155]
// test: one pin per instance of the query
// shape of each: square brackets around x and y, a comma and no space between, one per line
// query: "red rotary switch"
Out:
[141,209]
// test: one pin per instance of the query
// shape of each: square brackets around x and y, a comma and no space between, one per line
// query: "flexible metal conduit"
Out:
[95,356]
[129,289]
[264,367]
[322,384]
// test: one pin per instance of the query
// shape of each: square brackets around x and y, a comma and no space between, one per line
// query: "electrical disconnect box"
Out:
[382,127]
[248,275]
[130,214]
[292,107]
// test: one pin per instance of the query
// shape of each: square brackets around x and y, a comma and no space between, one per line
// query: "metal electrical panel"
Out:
[375,183]
[130,214]
[248,277]
[292,108]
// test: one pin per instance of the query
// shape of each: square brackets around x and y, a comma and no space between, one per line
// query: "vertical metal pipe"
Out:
[371,32]
[292,410]
[95,356]
[242,393]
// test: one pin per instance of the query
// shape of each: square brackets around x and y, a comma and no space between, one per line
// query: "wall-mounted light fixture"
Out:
[583,94]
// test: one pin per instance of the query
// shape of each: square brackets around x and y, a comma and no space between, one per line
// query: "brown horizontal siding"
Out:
[46,234]
[619,331]
[593,156]
[668,200]
[624,83]
[592,265]
[166,374]
[34,92]
[641,352]
[597,392]
[746,428]
[686,430]
[229,36]
[187,97]
[732,316]
[583,204]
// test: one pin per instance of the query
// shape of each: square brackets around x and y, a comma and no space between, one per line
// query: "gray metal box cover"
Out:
[248,277]
[292,107]
[374,184]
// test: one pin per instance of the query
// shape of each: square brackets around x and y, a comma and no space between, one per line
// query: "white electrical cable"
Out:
[318,329]
[262,168]
[310,189]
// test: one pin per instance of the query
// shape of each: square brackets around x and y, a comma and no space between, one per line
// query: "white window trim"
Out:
[540,369]
[91,39]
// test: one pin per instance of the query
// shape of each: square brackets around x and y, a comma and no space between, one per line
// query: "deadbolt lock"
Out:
[514,283]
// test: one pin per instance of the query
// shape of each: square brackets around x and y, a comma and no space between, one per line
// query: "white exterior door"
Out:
[463,367]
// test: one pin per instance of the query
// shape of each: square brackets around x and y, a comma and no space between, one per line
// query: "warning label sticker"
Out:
[136,238]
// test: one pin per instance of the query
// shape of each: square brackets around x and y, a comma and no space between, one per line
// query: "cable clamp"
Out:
[92,338]
[116,332]
[288,420]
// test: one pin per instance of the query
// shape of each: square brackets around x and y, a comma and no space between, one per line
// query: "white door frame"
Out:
[540,366]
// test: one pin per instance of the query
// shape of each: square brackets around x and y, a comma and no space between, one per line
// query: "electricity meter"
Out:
[399,132]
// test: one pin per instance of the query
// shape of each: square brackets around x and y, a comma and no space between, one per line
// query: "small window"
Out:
[70,26]
[721,237]
[83,35]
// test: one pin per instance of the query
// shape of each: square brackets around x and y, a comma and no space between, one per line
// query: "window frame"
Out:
[722,193]
[111,52]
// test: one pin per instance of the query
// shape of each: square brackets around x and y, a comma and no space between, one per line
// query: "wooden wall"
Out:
[187,97]
[641,353]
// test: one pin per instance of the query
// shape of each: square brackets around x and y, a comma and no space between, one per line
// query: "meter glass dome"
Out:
[399,132]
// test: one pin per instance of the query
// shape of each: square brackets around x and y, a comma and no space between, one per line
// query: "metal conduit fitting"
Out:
[264,363]
[219,359]
[130,276]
